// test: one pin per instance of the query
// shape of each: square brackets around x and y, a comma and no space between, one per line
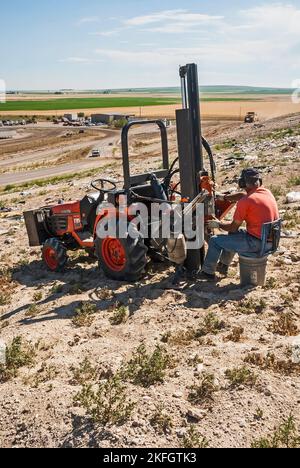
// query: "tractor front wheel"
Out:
[54,255]
[122,259]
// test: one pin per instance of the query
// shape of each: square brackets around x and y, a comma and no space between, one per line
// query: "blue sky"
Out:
[114,44]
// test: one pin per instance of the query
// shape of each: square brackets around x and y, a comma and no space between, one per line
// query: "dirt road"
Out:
[15,169]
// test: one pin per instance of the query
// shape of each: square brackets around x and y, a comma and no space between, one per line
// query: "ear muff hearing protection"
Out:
[245,179]
[242,182]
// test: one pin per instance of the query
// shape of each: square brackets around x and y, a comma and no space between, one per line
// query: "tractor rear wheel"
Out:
[122,259]
[54,254]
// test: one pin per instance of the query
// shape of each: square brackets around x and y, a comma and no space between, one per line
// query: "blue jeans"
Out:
[224,247]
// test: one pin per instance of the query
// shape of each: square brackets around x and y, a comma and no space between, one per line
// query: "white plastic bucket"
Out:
[253,271]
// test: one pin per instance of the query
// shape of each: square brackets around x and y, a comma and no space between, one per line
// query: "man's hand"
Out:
[213,224]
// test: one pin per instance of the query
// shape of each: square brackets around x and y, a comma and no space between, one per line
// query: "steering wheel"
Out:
[102,183]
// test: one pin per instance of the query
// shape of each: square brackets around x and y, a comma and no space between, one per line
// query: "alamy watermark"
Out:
[159,221]
[2,92]
[296,93]
[2,352]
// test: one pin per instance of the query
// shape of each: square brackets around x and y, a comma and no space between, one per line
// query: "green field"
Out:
[95,103]
[84,103]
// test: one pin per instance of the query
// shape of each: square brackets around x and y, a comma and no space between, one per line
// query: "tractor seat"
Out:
[88,208]
[143,190]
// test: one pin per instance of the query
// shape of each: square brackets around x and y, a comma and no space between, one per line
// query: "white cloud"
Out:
[282,18]
[172,21]
[80,60]
[113,32]
[175,55]
[262,42]
[88,19]
[276,28]
[177,16]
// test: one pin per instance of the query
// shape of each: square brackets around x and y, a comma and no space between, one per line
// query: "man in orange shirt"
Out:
[256,208]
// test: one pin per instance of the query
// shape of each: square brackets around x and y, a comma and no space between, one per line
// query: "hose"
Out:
[213,168]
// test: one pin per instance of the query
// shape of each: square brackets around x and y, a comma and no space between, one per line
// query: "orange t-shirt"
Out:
[256,209]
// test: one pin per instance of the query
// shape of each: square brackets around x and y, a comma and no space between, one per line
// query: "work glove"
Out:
[213,224]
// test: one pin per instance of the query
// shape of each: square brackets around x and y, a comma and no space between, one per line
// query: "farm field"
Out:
[83,103]
[225,106]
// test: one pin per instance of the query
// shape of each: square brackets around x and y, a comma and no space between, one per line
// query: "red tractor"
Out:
[72,226]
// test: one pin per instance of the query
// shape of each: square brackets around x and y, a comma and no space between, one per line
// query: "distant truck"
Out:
[71,117]
[251,117]
[95,153]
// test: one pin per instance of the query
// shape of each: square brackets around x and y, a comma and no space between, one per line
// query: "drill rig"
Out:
[73,226]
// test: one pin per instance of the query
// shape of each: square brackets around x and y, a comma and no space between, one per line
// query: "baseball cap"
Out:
[251,174]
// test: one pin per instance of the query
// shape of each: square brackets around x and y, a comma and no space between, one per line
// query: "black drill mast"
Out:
[190,148]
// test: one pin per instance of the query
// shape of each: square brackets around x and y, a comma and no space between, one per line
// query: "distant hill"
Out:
[170,90]
[210,90]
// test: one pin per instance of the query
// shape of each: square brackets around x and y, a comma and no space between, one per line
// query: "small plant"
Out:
[18,354]
[120,123]
[5,277]
[120,315]
[259,414]
[294,181]
[193,439]
[86,372]
[77,288]
[202,392]
[84,315]
[291,219]
[179,338]
[3,324]
[105,294]
[43,375]
[227,144]
[271,283]
[271,362]
[161,421]
[277,191]
[285,326]
[211,325]
[6,285]
[4,299]
[252,306]
[241,376]
[32,311]
[147,369]
[285,436]
[38,296]
[236,335]
[107,404]
[287,300]
[195,360]
[57,289]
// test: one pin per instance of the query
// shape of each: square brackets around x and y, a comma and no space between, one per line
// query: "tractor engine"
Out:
[52,221]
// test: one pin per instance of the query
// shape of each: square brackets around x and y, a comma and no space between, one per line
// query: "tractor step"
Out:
[85,236]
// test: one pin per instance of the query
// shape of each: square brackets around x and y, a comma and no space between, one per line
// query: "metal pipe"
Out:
[184,93]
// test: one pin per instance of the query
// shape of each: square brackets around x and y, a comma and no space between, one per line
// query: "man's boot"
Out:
[223,269]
